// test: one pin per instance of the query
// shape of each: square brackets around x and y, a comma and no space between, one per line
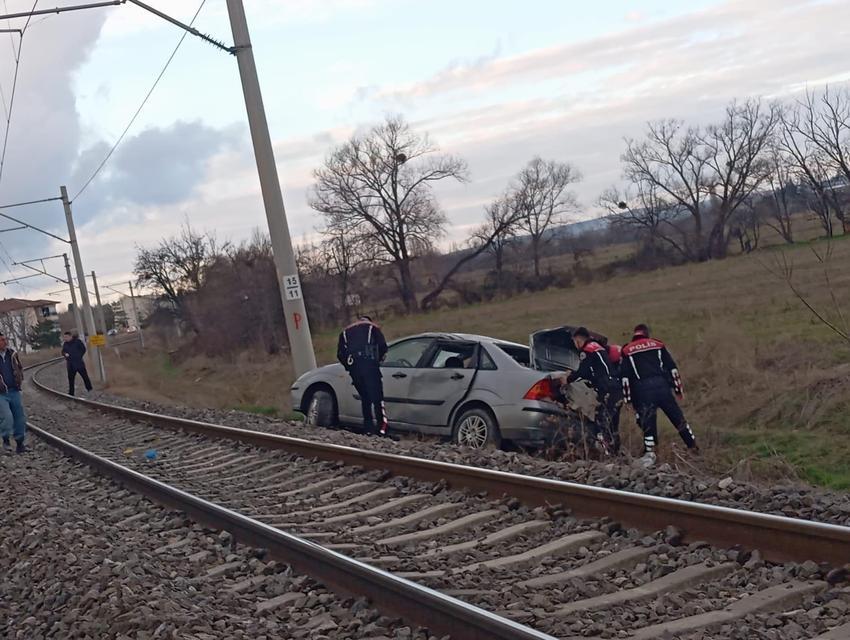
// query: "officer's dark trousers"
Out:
[648,397]
[608,419]
[366,376]
[73,370]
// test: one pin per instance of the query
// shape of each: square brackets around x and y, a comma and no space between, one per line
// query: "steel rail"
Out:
[778,538]
[389,593]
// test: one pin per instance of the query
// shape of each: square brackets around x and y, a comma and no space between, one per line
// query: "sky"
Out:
[495,82]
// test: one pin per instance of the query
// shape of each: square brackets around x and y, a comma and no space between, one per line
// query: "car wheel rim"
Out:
[313,412]
[472,432]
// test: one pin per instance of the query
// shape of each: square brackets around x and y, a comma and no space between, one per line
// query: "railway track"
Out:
[499,555]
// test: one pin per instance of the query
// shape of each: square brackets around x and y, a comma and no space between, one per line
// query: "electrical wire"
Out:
[14,91]
[141,106]
[8,113]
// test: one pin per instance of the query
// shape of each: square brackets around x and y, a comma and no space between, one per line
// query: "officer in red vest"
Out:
[595,366]
[650,379]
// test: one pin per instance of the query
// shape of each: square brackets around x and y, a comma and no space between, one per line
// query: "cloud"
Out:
[650,51]
[573,102]
[160,165]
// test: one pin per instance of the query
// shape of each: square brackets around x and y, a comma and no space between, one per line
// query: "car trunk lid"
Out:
[553,349]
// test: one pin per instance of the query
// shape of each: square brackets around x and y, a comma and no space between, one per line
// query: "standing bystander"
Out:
[13,420]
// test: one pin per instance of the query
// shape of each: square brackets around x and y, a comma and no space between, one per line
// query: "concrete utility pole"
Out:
[297,327]
[136,319]
[88,317]
[78,319]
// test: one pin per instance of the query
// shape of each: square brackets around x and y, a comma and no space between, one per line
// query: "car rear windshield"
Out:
[521,354]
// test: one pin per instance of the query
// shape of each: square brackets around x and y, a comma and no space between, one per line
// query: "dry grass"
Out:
[767,384]
[252,382]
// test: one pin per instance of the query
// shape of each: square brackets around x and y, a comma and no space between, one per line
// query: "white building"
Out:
[18,316]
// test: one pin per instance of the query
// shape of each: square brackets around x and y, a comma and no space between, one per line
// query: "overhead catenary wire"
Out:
[10,110]
[141,106]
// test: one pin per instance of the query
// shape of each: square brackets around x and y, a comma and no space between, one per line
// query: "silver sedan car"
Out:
[476,390]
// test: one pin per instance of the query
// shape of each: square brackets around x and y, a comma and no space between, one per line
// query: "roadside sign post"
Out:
[297,326]
[101,335]
[100,314]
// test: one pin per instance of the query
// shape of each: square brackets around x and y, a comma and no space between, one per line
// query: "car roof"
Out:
[471,337]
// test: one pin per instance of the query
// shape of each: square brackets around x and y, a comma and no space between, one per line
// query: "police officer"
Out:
[360,349]
[595,366]
[650,378]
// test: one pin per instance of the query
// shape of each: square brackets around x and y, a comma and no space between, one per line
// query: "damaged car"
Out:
[476,390]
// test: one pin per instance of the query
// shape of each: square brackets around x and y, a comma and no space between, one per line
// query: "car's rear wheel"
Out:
[477,429]
[320,409]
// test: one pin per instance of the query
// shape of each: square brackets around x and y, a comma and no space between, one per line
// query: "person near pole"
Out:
[360,349]
[13,419]
[74,349]
[651,381]
[596,368]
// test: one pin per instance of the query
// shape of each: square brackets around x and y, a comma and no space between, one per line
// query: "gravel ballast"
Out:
[83,558]
[791,500]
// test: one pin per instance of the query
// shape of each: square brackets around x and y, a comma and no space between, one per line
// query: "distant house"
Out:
[18,316]
[125,313]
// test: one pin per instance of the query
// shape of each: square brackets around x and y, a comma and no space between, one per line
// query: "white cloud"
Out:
[573,103]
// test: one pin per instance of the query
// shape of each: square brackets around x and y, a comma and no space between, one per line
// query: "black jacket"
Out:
[359,342]
[596,368]
[646,360]
[74,350]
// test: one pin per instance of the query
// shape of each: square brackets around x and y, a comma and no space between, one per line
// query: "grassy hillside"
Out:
[768,387]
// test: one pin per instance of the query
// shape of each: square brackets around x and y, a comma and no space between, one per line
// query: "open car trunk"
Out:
[553,349]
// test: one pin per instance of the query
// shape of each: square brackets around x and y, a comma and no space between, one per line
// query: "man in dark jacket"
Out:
[360,349]
[650,378]
[13,419]
[596,368]
[73,349]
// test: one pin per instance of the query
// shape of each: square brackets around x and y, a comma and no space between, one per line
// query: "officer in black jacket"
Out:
[360,349]
[73,349]
[650,379]
[595,366]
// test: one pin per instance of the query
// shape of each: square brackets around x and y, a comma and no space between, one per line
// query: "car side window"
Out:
[486,362]
[453,356]
[406,354]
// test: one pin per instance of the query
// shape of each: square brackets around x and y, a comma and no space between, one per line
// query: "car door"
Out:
[397,370]
[439,383]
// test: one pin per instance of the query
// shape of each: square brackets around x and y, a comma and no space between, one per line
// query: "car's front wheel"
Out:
[320,409]
[477,429]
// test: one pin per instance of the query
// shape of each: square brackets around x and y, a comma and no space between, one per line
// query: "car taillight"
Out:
[542,390]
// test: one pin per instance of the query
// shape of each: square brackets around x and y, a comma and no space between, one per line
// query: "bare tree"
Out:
[501,219]
[736,155]
[380,184]
[668,171]
[176,266]
[747,225]
[645,210]
[344,252]
[542,200]
[13,325]
[780,205]
[810,165]
[497,232]
[825,125]
[703,176]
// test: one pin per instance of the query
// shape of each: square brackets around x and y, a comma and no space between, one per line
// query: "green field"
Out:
[768,386]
